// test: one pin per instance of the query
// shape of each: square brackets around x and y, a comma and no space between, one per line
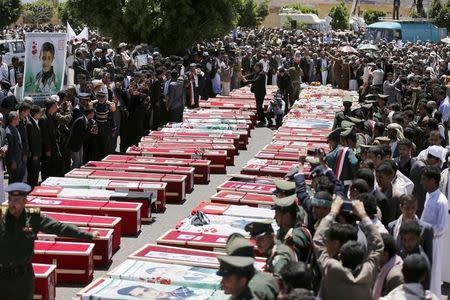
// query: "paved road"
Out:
[174,213]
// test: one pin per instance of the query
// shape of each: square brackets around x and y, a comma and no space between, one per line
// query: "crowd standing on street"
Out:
[371,224]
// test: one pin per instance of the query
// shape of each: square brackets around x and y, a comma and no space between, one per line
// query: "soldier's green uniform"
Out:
[295,236]
[278,255]
[343,115]
[17,236]
[262,284]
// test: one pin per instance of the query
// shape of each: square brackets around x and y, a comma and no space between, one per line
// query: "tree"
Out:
[172,25]
[251,14]
[372,16]
[38,12]
[435,8]
[340,16]
[443,18]
[303,9]
[65,15]
[9,12]
[262,10]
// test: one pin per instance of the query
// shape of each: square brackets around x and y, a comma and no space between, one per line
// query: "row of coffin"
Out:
[117,195]
[184,258]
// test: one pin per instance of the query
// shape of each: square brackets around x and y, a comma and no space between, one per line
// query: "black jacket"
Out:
[258,83]
[34,139]
[49,135]
[78,134]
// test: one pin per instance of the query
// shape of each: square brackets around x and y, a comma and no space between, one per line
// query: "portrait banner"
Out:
[117,289]
[45,56]
[171,274]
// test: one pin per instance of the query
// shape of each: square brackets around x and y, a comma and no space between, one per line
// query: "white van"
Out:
[11,48]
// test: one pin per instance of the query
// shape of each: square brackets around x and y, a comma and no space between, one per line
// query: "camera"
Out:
[314,152]
[347,206]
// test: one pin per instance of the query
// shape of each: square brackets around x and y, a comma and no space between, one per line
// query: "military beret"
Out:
[284,185]
[84,95]
[230,265]
[238,245]
[259,228]
[334,134]
[370,96]
[18,189]
[285,202]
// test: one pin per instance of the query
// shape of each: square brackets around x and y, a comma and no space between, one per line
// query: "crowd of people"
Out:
[373,221]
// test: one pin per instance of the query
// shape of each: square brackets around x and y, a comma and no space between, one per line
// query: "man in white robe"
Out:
[435,213]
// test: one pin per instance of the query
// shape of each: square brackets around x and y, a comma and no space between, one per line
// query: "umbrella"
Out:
[446,40]
[348,49]
[368,47]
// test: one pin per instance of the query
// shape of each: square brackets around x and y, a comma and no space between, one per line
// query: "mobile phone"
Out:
[347,206]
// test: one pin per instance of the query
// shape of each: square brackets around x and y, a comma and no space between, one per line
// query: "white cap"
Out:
[436,151]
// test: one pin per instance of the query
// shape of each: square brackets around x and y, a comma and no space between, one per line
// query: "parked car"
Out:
[11,48]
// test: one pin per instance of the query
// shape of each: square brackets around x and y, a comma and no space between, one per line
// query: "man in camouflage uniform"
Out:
[278,255]
[263,285]
[19,227]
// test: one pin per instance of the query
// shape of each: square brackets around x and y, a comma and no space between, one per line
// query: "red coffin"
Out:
[175,183]
[288,137]
[100,195]
[157,169]
[234,136]
[252,187]
[250,199]
[103,244]
[243,135]
[218,158]
[128,211]
[182,256]
[229,148]
[113,223]
[44,281]
[192,240]
[154,188]
[201,167]
[292,156]
[74,261]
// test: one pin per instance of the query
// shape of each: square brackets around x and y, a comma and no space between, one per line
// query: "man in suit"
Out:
[14,158]
[175,98]
[408,208]
[323,66]
[390,274]
[35,145]
[96,62]
[351,274]
[24,111]
[258,88]
[51,152]
[79,66]
[3,150]
[79,135]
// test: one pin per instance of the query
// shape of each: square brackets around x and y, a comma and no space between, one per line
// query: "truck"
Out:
[11,48]
[406,30]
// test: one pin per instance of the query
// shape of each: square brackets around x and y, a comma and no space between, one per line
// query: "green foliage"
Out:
[443,17]
[302,8]
[171,25]
[9,12]
[435,8]
[66,15]
[340,16]
[372,16]
[251,14]
[262,10]
[38,12]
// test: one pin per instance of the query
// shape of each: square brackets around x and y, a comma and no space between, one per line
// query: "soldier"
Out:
[342,115]
[19,227]
[292,232]
[278,255]
[236,273]
[341,159]
[262,284]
